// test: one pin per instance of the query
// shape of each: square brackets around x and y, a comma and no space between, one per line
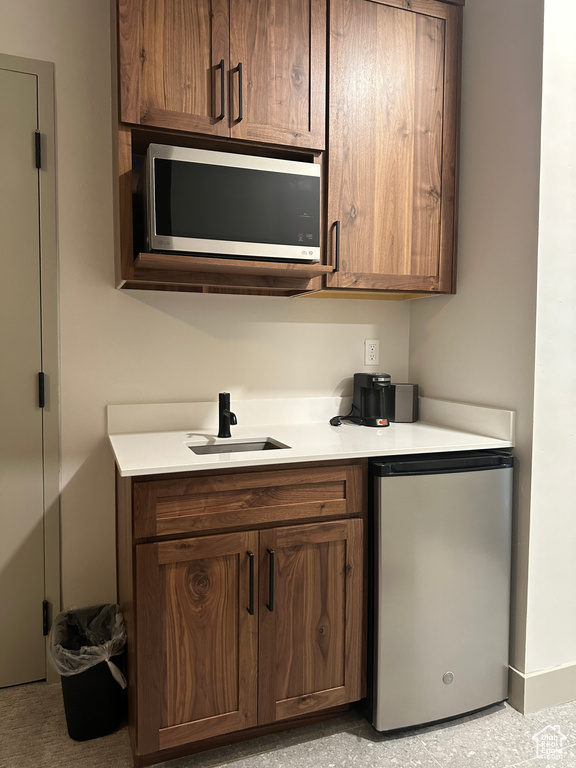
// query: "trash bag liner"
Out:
[80,638]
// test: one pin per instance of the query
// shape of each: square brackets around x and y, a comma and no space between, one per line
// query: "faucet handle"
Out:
[225,416]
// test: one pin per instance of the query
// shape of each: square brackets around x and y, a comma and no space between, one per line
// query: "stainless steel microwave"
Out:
[222,204]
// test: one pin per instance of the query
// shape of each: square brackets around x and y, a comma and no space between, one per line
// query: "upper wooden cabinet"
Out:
[250,76]
[393,120]
[245,69]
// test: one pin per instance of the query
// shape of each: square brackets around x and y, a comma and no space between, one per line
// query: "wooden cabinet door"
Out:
[197,640]
[174,64]
[394,84]
[250,69]
[310,618]
[280,48]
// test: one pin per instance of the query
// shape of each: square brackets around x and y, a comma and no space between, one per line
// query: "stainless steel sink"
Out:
[257,444]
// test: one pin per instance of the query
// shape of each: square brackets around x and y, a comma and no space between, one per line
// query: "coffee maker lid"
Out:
[381,378]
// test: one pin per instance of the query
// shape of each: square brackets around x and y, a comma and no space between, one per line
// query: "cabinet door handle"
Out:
[222,95]
[250,608]
[337,247]
[270,603]
[240,93]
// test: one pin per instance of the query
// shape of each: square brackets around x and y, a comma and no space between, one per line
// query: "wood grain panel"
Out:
[310,644]
[428,128]
[450,150]
[392,131]
[129,54]
[437,8]
[241,499]
[392,42]
[281,282]
[355,575]
[184,550]
[189,504]
[200,654]
[301,705]
[282,48]
[201,618]
[125,589]
[229,266]
[218,482]
[125,258]
[169,54]
[225,275]
[190,748]
[150,696]
[310,660]
[241,508]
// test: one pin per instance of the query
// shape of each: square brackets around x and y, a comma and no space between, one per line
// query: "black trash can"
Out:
[87,649]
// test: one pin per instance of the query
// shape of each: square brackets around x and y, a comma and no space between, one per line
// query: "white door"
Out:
[22,645]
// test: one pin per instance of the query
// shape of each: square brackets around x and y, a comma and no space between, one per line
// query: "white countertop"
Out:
[158,452]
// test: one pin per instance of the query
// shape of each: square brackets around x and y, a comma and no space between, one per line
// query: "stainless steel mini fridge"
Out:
[442,585]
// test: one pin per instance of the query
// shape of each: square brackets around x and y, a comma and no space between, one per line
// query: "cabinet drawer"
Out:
[194,504]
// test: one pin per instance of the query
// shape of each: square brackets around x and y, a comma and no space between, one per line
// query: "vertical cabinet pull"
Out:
[41,390]
[337,246]
[270,603]
[222,87]
[250,608]
[240,93]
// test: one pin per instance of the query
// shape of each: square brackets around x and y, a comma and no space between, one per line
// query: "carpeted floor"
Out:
[33,734]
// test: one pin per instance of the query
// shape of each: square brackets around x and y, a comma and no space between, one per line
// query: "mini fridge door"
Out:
[443,544]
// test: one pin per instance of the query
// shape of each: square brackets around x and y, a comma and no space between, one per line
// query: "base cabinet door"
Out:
[393,116]
[310,618]
[197,639]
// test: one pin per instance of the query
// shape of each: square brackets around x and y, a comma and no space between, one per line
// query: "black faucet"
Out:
[225,415]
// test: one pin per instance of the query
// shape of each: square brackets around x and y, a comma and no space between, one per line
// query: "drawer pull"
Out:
[270,603]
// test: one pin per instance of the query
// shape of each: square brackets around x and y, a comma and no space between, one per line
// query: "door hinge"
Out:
[38,148]
[41,390]
[45,605]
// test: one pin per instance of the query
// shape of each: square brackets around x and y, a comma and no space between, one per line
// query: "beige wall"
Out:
[551,629]
[119,347]
[478,346]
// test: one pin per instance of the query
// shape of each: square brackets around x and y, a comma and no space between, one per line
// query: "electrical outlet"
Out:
[371,352]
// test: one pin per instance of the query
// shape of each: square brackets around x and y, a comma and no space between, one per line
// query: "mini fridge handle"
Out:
[430,464]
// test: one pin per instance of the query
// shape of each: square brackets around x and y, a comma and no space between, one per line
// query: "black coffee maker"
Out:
[372,399]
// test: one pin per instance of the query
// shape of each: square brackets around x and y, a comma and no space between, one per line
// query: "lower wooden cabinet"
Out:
[197,642]
[246,628]
[250,624]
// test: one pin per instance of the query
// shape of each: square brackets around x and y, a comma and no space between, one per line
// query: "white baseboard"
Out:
[538,690]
